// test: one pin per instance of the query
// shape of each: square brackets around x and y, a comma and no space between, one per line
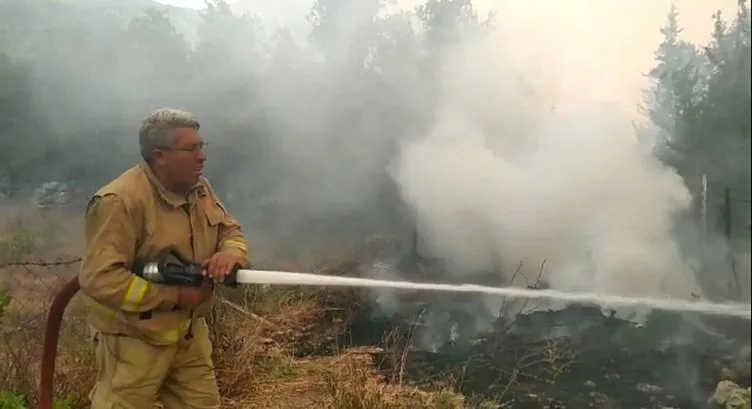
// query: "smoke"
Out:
[513,147]
[503,152]
[502,178]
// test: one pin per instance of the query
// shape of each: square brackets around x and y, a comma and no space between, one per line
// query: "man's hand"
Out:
[219,266]
[190,298]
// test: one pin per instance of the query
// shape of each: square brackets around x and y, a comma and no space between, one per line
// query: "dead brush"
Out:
[21,337]
[357,392]
[17,371]
[251,331]
[309,320]
[558,356]
[360,390]
[357,385]
[237,344]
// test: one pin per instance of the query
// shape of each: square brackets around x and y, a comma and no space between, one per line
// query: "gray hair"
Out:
[156,129]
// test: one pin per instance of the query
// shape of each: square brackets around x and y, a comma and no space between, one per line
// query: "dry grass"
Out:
[265,339]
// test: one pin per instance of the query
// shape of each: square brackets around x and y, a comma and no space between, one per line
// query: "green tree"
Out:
[448,22]
[699,102]
[726,111]
[675,91]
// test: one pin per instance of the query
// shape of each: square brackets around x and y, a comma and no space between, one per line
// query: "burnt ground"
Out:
[577,357]
[573,358]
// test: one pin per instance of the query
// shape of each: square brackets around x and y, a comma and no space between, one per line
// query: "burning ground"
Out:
[579,356]
[575,357]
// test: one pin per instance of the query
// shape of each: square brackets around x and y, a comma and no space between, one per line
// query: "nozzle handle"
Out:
[172,268]
[232,279]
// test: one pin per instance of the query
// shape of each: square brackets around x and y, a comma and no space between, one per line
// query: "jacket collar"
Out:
[171,198]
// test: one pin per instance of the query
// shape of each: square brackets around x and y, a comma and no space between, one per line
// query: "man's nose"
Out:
[201,156]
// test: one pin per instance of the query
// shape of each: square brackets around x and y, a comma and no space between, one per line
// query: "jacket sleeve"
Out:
[231,237]
[111,234]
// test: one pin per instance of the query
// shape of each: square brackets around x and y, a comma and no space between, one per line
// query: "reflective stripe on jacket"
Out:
[129,221]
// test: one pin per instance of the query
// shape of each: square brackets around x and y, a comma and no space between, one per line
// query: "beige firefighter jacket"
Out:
[130,220]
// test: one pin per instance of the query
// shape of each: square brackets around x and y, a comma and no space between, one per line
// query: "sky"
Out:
[600,48]
[192,4]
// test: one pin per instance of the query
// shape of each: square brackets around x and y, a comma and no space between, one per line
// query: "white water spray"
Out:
[287,278]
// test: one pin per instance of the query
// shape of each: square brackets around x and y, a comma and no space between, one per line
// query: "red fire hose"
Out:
[51,334]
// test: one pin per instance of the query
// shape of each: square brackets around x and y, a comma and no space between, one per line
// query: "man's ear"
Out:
[157,155]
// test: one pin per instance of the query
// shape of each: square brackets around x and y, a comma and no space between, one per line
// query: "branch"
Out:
[247,313]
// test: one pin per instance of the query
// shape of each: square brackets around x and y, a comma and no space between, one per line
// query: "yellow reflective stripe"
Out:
[235,243]
[135,294]
[172,336]
[169,337]
[104,310]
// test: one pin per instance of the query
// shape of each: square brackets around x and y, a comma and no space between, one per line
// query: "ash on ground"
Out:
[574,357]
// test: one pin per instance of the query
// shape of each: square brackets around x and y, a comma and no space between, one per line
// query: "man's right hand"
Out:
[190,298]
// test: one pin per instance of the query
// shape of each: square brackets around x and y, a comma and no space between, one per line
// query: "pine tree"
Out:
[675,84]
[724,150]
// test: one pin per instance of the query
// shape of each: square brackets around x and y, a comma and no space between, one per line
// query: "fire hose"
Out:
[51,334]
[171,268]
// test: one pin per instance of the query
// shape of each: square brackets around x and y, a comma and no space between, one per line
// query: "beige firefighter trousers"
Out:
[132,374]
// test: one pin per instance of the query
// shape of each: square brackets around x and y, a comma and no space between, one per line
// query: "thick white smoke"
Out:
[504,177]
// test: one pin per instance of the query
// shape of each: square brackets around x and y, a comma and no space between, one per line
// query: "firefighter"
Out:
[152,340]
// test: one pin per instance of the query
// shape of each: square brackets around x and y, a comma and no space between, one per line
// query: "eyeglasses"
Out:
[195,148]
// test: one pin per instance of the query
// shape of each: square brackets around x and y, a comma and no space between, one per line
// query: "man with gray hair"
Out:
[153,340]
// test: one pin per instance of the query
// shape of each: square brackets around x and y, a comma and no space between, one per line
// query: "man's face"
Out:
[183,163]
